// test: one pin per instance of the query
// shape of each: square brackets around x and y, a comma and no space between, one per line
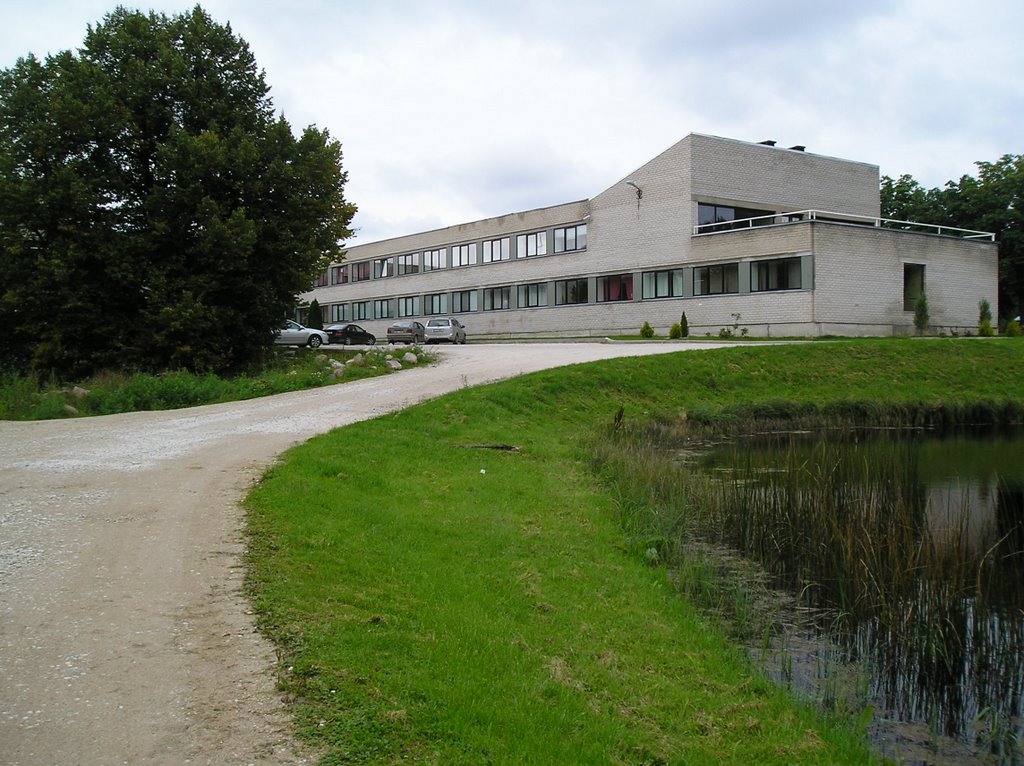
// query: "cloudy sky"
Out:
[454,110]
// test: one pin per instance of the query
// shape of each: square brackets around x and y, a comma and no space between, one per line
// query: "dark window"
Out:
[408,264]
[781,274]
[532,296]
[615,288]
[361,272]
[339,275]
[496,298]
[463,301]
[407,307]
[361,310]
[321,279]
[571,238]
[382,309]
[913,284]
[434,303]
[716,280]
[383,267]
[726,217]
[571,291]
[339,312]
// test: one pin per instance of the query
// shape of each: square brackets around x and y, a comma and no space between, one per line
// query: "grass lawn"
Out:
[434,602]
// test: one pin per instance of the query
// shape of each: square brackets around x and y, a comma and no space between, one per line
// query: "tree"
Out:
[154,213]
[921,315]
[316,316]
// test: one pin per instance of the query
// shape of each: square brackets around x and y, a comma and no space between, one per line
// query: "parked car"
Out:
[294,334]
[349,334]
[407,332]
[445,328]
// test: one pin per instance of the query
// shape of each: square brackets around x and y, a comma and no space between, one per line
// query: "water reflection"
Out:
[909,552]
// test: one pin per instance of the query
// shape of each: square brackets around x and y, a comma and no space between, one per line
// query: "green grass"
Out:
[438,604]
[28,398]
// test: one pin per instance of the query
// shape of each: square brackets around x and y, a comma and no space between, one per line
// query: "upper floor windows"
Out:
[463,255]
[571,238]
[321,279]
[528,245]
[339,274]
[725,215]
[779,274]
[409,264]
[716,280]
[569,291]
[383,267]
[433,259]
[496,250]
[360,273]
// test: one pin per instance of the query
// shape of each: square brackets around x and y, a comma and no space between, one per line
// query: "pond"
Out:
[903,554]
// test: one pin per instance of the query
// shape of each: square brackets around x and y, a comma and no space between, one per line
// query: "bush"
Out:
[921,315]
[675,332]
[684,326]
[647,331]
[1013,329]
[985,329]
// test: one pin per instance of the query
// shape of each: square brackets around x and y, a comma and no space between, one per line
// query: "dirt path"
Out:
[124,637]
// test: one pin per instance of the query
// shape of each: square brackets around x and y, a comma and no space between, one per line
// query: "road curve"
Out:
[124,634]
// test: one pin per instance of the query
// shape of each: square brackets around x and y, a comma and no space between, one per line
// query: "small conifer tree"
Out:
[647,331]
[684,326]
[985,319]
[315,319]
[675,332]
[921,316]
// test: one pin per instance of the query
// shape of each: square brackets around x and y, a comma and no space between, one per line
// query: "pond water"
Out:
[904,557]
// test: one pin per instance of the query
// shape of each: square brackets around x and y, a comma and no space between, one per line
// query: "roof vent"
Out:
[798,148]
[767,143]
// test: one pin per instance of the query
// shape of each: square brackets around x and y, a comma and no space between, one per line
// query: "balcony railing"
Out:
[799,216]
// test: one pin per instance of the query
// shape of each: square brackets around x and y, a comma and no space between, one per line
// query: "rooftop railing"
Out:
[799,216]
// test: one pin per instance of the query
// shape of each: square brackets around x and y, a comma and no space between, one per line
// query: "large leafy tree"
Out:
[154,212]
[992,201]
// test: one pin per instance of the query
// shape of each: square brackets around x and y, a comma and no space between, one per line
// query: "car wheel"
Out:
[347,341]
[315,341]
[372,341]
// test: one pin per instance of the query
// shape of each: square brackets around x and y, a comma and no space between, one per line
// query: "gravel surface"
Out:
[124,634]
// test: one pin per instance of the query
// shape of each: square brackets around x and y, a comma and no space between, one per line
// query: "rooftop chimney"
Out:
[767,143]
[798,148]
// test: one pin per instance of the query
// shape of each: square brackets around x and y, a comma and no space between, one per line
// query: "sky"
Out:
[450,111]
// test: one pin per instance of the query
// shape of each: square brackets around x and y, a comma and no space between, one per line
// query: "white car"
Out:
[445,328]
[294,334]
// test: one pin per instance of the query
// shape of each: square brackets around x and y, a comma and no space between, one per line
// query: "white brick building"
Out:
[777,241]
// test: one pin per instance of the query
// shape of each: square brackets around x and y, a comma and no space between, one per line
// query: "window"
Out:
[360,271]
[339,312]
[569,291]
[407,307]
[463,255]
[528,245]
[913,284]
[361,310]
[435,303]
[615,288]
[726,214]
[497,298]
[383,267]
[571,238]
[321,279]
[716,280]
[781,274]
[382,309]
[496,250]
[339,275]
[532,296]
[663,284]
[433,259]
[463,301]
[409,264]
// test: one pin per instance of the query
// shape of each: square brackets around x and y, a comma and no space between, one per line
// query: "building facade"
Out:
[748,237]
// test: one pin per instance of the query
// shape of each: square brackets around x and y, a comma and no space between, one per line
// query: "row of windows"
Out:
[567,239]
[720,279]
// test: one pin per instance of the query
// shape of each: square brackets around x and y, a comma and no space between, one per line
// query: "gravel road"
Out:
[124,635]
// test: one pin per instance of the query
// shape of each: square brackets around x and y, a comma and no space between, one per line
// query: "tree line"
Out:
[993,201]
[155,213]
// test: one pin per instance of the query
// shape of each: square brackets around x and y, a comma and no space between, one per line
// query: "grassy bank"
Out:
[438,602]
[29,398]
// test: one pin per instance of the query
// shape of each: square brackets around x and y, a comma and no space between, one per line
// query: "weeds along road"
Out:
[124,634]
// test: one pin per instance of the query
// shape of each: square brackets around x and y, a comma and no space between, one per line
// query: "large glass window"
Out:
[569,291]
[463,255]
[532,296]
[496,250]
[497,298]
[716,280]
[528,245]
[360,271]
[407,307]
[725,215]
[339,274]
[663,284]
[463,301]
[615,288]
[382,309]
[571,238]
[361,311]
[913,284]
[339,312]
[433,259]
[383,267]
[780,274]
[322,279]
[409,264]
[435,303]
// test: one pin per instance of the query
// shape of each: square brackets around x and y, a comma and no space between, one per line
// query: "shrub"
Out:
[984,311]
[684,326]
[315,319]
[1013,329]
[675,332]
[647,331]
[921,316]
[985,329]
